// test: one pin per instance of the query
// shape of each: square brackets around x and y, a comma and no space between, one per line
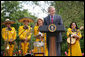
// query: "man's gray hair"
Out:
[50,8]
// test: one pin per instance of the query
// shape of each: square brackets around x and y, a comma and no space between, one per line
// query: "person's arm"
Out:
[20,33]
[29,37]
[60,21]
[78,36]
[69,32]
[36,32]
[4,36]
[45,23]
[30,33]
[14,34]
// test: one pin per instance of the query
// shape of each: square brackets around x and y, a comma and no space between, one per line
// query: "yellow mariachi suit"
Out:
[6,34]
[46,50]
[76,50]
[36,31]
[22,35]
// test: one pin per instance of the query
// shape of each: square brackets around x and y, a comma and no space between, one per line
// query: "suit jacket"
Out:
[57,21]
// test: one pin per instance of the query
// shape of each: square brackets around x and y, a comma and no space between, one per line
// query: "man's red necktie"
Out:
[52,19]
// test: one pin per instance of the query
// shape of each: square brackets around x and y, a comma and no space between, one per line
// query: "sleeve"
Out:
[4,34]
[68,32]
[45,23]
[45,36]
[60,22]
[29,37]
[14,34]
[35,30]
[79,34]
[20,32]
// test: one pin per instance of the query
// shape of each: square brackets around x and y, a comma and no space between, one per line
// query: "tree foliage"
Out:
[69,11]
[14,8]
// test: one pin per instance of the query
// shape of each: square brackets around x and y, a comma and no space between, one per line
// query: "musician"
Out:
[53,18]
[9,37]
[74,32]
[25,35]
[43,38]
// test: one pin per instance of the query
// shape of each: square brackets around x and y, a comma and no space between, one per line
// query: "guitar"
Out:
[73,39]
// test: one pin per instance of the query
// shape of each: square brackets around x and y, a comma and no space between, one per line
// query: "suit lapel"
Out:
[54,19]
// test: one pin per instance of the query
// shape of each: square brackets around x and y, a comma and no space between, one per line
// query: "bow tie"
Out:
[9,29]
[25,27]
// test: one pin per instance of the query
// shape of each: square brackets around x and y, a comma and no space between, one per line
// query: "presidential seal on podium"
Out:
[52,27]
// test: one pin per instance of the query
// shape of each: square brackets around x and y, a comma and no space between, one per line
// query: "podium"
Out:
[52,51]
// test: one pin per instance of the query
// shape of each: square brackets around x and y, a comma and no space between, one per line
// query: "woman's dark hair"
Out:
[76,25]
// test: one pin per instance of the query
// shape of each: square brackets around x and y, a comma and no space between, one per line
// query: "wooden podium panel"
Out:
[52,46]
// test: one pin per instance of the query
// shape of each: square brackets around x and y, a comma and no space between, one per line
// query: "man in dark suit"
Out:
[53,18]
